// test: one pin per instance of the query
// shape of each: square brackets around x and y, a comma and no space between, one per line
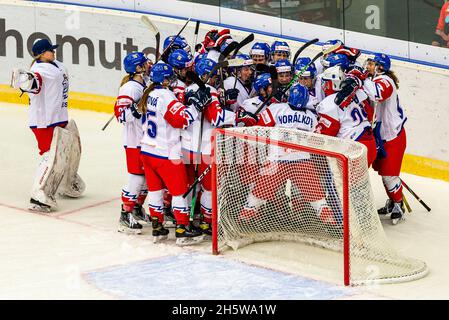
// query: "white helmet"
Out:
[332,79]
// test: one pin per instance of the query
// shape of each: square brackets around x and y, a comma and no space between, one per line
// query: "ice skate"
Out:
[397,213]
[37,206]
[159,232]
[129,225]
[140,215]
[206,229]
[169,218]
[186,235]
[387,209]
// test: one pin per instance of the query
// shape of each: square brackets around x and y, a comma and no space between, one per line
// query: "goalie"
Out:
[47,85]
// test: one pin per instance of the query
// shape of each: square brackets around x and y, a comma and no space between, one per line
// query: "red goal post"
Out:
[273,184]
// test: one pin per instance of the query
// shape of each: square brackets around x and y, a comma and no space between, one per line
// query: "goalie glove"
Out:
[245,118]
[26,81]
[347,93]
[199,99]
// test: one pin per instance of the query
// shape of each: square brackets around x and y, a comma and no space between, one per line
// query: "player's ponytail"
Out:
[393,77]
[142,105]
[125,79]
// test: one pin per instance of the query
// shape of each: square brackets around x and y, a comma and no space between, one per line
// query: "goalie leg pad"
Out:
[52,167]
[73,185]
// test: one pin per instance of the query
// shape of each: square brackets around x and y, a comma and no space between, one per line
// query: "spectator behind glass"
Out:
[441,34]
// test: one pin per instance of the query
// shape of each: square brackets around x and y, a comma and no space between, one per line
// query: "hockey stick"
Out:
[173,40]
[304,47]
[268,99]
[146,21]
[197,29]
[409,209]
[416,196]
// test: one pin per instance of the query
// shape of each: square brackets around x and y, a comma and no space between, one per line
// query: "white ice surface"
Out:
[51,257]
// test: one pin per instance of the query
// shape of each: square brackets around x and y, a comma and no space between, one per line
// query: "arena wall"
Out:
[94,41]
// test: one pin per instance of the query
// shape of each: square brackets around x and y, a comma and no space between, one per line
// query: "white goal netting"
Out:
[289,185]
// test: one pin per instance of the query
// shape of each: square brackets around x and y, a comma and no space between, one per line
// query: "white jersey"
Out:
[282,115]
[48,107]
[130,93]
[347,123]
[179,88]
[163,122]
[244,92]
[214,116]
[389,113]
[252,104]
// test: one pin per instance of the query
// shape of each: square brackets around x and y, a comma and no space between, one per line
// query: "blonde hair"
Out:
[125,79]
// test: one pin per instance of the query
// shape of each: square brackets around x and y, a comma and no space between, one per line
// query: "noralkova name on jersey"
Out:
[299,118]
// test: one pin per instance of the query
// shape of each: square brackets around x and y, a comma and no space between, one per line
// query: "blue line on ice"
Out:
[199,276]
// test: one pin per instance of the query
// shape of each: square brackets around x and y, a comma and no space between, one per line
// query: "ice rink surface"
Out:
[77,253]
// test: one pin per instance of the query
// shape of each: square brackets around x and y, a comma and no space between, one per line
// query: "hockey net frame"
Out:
[347,153]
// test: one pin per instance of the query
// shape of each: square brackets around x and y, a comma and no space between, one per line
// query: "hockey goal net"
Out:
[276,184]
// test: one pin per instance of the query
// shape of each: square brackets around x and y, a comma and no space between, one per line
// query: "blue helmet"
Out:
[331,43]
[299,96]
[180,59]
[283,66]
[382,60]
[199,57]
[132,60]
[262,82]
[310,72]
[280,46]
[205,66]
[179,43]
[336,59]
[160,71]
[261,49]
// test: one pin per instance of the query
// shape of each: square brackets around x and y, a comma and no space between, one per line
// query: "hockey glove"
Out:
[231,96]
[358,72]
[245,118]
[347,93]
[199,99]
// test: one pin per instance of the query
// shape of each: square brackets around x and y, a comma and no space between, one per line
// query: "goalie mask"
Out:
[332,80]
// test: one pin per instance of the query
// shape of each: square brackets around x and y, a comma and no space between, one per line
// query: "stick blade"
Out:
[150,25]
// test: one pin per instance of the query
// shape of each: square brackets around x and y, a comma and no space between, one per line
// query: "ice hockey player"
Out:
[345,118]
[389,130]
[285,165]
[239,87]
[263,88]
[47,84]
[285,73]
[280,50]
[260,53]
[181,61]
[196,139]
[163,119]
[137,67]
[307,79]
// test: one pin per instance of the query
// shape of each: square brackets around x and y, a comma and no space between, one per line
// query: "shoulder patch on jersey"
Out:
[174,107]
[325,122]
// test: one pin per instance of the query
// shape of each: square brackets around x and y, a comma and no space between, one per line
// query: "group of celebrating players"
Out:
[169,117]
